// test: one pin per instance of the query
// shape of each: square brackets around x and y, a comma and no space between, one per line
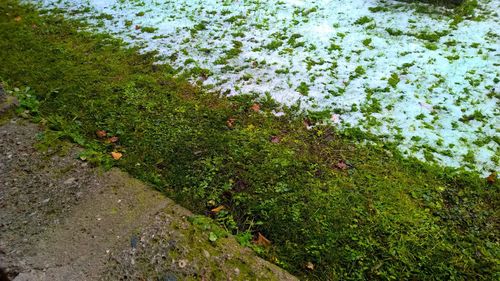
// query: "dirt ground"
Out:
[61,219]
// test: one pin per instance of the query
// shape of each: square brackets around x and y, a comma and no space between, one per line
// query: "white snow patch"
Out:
[381,71]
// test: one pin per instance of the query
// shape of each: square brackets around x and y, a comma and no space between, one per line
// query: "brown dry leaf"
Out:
[18,18]
[341,165]
[310,265]
[204,76]
[137,27]
[116,155]
[255,107]
[492,178]
[101,133]
[113,139]
[218,209]
[308,124]
[230,122]
[262,241]
[275,139]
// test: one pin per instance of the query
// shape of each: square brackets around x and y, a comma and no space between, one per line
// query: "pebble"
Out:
[69,181]
[182,263]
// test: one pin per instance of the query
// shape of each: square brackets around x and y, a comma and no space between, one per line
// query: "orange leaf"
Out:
[255,107]
[262,241]
[230,122]
[18,18]
[341,165]
[116,155]
[218,209]
[113,139]
[101,133]
[492,178]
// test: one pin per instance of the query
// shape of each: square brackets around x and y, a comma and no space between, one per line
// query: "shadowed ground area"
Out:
[62,220]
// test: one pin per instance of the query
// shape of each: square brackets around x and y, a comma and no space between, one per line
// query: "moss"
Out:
[376,216]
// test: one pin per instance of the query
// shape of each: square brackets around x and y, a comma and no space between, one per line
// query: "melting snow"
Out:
[384,67]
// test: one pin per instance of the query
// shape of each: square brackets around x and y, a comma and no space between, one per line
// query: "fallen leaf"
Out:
[308,124]
[341,165]
[492,178]
[262,241]
[310,265]
[204,76]
[255,107]
[137,27]
[101,133]
[335,118]
[113,139]
[230,122]
[116,155]
[18,18]
[275,139]
[218,209]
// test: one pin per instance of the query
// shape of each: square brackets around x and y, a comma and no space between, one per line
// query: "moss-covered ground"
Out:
[333,208]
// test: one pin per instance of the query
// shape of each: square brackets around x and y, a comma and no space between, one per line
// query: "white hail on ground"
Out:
[440,95]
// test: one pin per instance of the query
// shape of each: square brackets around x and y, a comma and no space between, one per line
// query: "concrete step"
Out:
[62,219]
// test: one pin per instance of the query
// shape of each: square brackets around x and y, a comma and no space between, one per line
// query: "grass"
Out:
[353,211]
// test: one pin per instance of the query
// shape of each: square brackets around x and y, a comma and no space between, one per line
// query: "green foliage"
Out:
[28,102]
[360,70]
[366,42]
[431,36]
[148,29]
[393,80]
[445,2]
[274,45]
[394,32]
[431,46]
[363,20]
[208,226]
[303,88]
[380,217]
